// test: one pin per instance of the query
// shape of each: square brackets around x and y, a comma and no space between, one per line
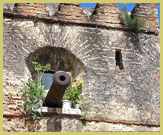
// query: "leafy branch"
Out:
[73,91]
[134,22]
[34,93]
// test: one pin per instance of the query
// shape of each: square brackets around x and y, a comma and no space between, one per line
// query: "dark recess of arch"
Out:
[59,58]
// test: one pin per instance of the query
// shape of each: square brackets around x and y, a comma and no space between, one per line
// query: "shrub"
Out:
[134,22]
[73,91]
[34,93]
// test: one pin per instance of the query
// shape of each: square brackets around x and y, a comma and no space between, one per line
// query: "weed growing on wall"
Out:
[35,20]
[136,23]
[34,93]
[84,116]
[73,91]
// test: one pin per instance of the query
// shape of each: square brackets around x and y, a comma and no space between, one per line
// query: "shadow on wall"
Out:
[59,58]
[135,40]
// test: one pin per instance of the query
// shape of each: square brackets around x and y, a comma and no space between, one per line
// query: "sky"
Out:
[129,7]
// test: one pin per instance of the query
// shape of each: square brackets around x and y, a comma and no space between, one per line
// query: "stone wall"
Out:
[130,94]
[149,12]
[104,14]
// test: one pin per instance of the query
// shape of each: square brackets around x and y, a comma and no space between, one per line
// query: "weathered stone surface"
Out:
[131,94]
[14,125]
[9,6]
[107,127]
[105,14]
[148,12]
[88,11]
[54,125]
[20,125]
[52,8]
[71,125]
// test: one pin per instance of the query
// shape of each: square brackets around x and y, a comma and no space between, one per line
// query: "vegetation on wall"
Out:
[73,91]
[84,116]
[34,93]
[134,22]
[35,20]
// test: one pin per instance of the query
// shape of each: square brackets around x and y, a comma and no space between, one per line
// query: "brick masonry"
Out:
[149,12]
[130,94]
[103,15]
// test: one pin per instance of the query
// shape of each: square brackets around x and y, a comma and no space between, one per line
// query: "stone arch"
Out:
[59,58]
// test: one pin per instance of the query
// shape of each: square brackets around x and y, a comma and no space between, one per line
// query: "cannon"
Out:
[61,80]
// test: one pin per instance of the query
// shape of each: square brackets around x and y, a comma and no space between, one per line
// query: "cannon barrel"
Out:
[61,80]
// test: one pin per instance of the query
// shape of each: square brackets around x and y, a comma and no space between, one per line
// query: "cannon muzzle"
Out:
[61,80]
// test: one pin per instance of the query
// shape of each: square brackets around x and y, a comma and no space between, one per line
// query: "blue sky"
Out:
[129,6]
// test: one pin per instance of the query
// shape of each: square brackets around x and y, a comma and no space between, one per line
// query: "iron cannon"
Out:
[61,80]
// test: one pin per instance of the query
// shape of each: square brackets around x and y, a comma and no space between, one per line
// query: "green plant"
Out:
[134,22]
[34,93]
[35,19]
[73,91]
[40,68]
[84,116]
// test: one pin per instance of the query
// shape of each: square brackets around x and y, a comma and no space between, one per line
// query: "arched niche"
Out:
[59,58]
